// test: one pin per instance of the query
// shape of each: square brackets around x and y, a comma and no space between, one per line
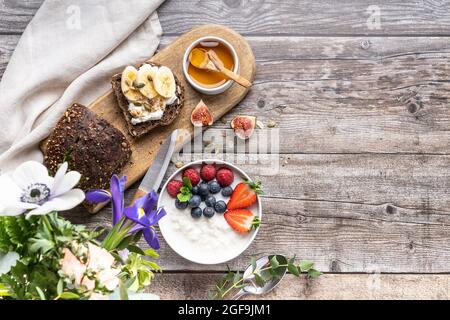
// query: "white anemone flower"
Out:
[30,188]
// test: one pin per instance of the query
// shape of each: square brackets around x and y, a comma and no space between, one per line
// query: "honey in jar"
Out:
[208,78]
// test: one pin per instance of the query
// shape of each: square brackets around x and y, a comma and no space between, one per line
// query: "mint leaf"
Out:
[185,190]
[187,182]
[183,197]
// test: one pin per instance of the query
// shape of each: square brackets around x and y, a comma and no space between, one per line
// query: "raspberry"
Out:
[225,177]
[192,175]
[173,188]
[208,172]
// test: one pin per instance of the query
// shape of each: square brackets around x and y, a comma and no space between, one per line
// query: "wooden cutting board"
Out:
[144,149]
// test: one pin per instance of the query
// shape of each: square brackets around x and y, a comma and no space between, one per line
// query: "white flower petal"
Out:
[63,202]
[60,173]
[9,191]
[31,172]
[65,183]
[16,208]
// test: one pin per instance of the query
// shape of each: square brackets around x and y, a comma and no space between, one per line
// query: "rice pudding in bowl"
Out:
[205,240]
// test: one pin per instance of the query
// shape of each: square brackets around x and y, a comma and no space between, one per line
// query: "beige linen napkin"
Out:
[67,54]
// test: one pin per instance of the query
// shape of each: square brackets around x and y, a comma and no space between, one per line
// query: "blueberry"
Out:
[203,189]
[181,205]
[204,197]
[220,206]
[227,191]
[195,190]
[195,201]
[208,212]
[210,201]
[196,212]
[214,187]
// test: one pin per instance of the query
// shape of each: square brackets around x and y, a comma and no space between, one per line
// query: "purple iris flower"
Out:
[142,212]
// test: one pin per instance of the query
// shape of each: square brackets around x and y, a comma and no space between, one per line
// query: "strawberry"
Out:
[225,177]
[193,175]
[242,220]
[208,172]
[244,195]
[173,188]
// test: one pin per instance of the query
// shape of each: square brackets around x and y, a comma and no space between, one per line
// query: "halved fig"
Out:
[243,126]
[201,116]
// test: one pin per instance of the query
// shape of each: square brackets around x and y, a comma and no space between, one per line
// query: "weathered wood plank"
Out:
[327,287]
[328,95]
[7,46]
[291,17]
[349,213]
[339,98]
[15,15]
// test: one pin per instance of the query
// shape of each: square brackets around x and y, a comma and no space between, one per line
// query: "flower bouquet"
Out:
[44,256]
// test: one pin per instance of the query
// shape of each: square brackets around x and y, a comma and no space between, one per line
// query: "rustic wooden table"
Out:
[360,93]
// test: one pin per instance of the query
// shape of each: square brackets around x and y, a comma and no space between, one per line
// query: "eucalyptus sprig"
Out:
[275,268]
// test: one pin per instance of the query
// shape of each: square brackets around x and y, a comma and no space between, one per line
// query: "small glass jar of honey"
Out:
[206,81]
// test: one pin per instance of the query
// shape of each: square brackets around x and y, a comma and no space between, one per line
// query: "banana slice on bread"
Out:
[150,96]
[145,77]
[164,82]
[130,87]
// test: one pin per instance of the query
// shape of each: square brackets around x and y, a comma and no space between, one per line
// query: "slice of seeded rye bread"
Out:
[141,129]
[90,145]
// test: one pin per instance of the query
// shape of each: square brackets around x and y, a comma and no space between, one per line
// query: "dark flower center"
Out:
[36,193]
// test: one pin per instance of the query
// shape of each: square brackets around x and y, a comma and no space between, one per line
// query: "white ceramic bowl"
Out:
[205,90]
[178,227]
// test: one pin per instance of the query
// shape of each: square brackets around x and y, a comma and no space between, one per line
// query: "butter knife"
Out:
[155,174]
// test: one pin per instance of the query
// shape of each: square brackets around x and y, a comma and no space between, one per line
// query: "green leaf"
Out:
[255,186]
[187,182]
[4,292]
[40,293]
[256,223]
[60,287]
[274,263]
[123,291]
[236,278]
[253,263]
[184,197]
[313,274]
[151,253]
[68,296]
[125,242]
[306,265]
[259,280]
[241,286]
[42,245]
[229,276]
[136,249]
[293,269]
